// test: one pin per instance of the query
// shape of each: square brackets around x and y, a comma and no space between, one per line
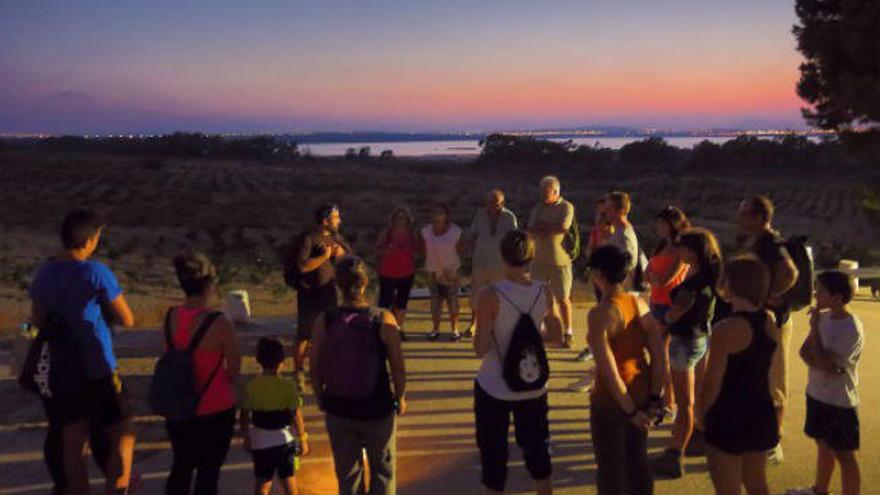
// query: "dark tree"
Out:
[840,78]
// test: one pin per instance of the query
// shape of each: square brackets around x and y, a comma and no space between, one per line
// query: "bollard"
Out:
[850,267]
[238,306]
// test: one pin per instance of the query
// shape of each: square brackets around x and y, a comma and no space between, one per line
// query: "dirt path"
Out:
[437,453]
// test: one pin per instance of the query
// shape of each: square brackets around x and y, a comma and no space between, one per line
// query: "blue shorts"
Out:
[684,353]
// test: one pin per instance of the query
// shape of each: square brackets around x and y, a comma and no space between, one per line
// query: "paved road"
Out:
[437,453]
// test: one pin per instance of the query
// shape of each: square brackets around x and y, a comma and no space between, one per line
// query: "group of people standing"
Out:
[709,345]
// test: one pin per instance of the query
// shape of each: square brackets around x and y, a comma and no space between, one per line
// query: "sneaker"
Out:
[669,413]
[433,335]
[567,341]
[668,465]
[585,355]
[583,385]
[697,446]
[469,333]
[806,491]
[455,337]
[775,456]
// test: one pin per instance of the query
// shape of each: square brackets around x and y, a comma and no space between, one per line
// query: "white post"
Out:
[850,267]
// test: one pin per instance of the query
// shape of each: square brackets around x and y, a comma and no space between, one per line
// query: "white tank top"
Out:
[490,376]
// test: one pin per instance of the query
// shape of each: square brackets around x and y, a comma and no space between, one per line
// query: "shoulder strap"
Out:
[199,334]
[531,307]
[169,340]
[492,332]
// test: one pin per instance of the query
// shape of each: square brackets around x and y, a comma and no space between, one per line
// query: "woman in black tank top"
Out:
[738,414]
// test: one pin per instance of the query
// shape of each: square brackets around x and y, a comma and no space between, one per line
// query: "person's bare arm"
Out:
[683,302]
[229,346]
[812,352]
[122,312]
[487,311]
[307,262]
[556,228]
[657,350]
[315,357]
[600,321]
[298,425]
[716,366]
[785,274]
[391,339]
[553,320]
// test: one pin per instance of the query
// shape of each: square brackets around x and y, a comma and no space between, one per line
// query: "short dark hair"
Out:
[196,273]
[79,226]
[762,206]
[270,352]
[838,283]
[748,277]
[611,262]
[517,248]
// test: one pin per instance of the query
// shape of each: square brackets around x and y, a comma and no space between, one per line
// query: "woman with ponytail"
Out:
[353,348]
[688,325]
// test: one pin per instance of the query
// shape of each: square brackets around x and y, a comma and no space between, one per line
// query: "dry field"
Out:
[241,212]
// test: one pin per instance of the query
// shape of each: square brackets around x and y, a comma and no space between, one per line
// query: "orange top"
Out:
[630,349]
[660,264]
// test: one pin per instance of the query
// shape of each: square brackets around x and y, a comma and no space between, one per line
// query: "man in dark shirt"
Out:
[322,246]
[754,219]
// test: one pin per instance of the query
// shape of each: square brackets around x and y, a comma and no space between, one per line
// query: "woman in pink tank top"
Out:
[396,247]
[200,444]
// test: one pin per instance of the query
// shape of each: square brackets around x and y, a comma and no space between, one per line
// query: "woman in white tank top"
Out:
[498,312]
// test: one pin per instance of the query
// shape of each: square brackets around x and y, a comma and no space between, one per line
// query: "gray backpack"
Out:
[174,393]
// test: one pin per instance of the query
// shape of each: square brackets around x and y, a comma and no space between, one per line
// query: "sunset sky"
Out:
[91,66]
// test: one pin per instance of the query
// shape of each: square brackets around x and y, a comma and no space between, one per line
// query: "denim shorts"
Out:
[658,311]
[685,353]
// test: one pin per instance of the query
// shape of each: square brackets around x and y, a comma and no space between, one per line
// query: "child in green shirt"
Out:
[272,422]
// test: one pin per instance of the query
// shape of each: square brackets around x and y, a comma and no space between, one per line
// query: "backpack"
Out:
[351,355]
[289,254]
[55,366]
[525,366]
[174,392]
[800,295]
[571,242]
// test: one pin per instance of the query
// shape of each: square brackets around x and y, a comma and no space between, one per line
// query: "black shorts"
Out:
[103,402]
[310,303]
[837,427]
[394,292]
[274,460]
